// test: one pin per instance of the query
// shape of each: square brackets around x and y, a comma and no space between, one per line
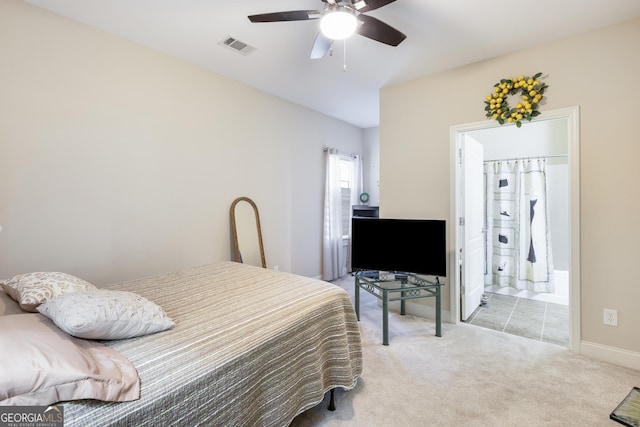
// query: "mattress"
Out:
[251,347]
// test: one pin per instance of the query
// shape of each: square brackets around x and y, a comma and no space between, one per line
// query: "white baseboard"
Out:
[613,355]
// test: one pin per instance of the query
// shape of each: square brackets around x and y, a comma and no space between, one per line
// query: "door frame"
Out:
[572,116]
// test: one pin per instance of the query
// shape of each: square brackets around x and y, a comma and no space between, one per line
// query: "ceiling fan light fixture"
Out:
[359,4]
[338,23]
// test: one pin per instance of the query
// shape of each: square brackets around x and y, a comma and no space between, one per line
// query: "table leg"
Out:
[402,302]
[438,313]
[385,317]
[357,297]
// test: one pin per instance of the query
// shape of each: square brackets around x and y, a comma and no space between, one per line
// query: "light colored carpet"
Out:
[471,376]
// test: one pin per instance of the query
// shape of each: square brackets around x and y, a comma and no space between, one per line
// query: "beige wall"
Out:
[117,161]
[597,71]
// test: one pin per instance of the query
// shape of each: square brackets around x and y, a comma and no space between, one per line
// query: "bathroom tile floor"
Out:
[538,320]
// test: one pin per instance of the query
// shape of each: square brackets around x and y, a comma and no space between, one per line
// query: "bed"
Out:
[250,347]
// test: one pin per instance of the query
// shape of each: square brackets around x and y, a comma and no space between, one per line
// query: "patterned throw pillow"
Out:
[33,289]
[105,314]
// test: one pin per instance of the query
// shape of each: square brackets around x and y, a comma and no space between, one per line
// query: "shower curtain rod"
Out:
[551,156]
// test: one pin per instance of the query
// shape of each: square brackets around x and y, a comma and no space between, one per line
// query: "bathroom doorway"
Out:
[553,314]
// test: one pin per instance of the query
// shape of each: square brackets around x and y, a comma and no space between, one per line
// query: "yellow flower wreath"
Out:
[531,91]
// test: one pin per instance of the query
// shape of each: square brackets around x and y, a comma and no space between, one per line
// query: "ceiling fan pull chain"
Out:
[344,59]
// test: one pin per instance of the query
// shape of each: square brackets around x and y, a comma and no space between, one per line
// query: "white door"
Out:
[471,226]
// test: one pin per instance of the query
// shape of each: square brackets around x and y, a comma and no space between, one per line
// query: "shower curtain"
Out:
[518,237]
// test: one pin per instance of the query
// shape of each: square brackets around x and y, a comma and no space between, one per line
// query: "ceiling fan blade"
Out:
[377,30]
[321,46]
[368,5]
[292,15]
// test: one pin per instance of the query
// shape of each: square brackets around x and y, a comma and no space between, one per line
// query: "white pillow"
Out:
[32,289]
[41,365]
[106,314]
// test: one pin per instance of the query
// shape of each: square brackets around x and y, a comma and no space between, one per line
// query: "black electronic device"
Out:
[399,245]
[365,211]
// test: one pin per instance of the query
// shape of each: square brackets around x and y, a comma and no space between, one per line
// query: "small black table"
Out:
[409,286]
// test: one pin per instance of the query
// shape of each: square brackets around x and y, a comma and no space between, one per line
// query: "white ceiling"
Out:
[441,35]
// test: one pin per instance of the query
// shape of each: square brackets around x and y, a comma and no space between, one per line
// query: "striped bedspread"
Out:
[252,347]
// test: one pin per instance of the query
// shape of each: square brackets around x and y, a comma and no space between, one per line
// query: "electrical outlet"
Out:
[610,317]
[275,267]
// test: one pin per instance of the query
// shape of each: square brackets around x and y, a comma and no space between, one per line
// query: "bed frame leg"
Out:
[332,402]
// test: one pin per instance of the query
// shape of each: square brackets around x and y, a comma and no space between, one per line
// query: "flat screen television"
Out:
[399,245]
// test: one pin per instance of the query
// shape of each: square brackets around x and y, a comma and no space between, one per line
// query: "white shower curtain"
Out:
[517,224]
[333,252]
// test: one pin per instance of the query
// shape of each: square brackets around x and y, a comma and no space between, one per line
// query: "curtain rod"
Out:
[551,156]
[336,151]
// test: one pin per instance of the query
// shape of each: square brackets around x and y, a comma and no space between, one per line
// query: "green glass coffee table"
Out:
[390,287]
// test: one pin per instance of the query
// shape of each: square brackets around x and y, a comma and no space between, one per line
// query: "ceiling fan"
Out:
[338,20]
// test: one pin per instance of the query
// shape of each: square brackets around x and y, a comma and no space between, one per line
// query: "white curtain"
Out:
[333,252]
[517,224]
[336,251]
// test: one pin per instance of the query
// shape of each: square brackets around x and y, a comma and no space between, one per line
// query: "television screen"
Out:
[401,245]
